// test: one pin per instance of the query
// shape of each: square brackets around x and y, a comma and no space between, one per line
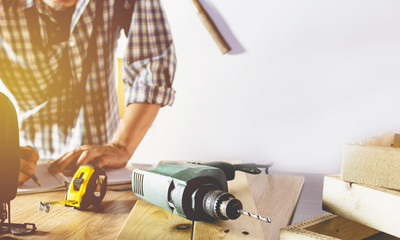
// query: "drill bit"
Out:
[253,215]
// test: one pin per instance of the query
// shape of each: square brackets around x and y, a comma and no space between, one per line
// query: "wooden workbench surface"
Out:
[275,197]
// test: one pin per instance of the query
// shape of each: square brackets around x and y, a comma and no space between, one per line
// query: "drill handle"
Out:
[252,168]
[229,169]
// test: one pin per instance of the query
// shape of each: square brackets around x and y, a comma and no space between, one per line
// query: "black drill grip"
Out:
[229,169]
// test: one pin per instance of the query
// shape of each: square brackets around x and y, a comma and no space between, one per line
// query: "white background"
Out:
[303,79]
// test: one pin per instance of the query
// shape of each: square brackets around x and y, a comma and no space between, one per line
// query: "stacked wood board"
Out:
[365,198]
[332,227]
[375,207]
[373,161]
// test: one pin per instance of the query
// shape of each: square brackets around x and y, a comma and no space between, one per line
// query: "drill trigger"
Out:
[251,168]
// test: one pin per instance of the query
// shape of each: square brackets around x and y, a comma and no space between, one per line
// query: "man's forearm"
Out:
[133,126]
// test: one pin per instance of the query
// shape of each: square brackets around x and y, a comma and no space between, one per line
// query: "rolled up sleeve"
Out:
[150,60]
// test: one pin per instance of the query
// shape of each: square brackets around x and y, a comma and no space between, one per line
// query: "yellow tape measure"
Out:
[88,187]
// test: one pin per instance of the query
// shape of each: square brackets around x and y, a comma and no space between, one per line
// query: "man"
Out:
[65,115]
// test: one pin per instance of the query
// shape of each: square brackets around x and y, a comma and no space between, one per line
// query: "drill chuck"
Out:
[221,205]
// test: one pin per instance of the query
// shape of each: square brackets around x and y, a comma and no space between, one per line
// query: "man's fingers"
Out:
[22,178]
[88,156]
[26,168]
[104,155]
[29,154]
[69,158]
[55,165]
[101,162]
[77,157]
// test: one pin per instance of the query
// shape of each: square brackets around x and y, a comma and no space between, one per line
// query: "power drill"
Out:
[192,190]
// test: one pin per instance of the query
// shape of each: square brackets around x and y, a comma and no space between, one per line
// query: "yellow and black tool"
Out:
[88,187]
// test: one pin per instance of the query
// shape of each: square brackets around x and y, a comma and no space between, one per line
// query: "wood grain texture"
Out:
[147,221]
[63,222]
[329,226]
[383,140]
[374,162]
[371,206]
[242,228]
[396,141]
[275,196]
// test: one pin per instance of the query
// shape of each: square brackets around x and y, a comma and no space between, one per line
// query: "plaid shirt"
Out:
[43,85]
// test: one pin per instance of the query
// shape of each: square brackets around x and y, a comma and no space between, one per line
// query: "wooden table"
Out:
[275,196]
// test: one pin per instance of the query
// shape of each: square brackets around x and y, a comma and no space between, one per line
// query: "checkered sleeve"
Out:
[149,61]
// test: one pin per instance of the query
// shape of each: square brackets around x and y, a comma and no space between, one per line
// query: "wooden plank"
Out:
[62,222]
[242,228]
[384,140]
[147,221]
[329,226]
[396,141]
[371,206]
[275,196]
[377,164]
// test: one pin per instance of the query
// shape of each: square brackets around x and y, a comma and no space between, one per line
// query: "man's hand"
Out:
[131,130]
[110,155]
[29,158]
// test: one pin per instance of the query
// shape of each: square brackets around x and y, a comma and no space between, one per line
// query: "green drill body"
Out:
[179,187]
